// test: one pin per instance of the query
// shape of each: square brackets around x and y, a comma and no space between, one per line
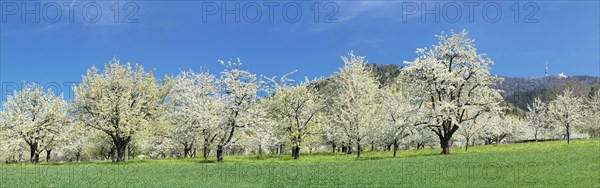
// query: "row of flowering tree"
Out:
[565,115]
[124,111]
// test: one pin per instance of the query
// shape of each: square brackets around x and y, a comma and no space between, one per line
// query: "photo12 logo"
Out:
[453,12]
[59,88]
[53,12]
[269,11]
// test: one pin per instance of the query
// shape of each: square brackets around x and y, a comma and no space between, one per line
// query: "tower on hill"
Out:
[546,67]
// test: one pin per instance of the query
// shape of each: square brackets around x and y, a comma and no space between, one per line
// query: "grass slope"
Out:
[544,164]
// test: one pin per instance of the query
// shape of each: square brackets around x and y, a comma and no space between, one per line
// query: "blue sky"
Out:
[170,36]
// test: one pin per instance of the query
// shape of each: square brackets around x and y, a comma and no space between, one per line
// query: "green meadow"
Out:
[540,164]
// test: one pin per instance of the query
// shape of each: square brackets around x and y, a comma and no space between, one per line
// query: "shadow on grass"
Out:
[204,161]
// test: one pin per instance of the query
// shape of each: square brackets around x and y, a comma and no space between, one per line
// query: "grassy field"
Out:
[543,164]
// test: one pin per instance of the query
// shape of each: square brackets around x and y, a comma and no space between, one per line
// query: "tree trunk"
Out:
[296,152]
[78,156]
[121,148]
[445,145]
[121,152]
[280,149]
[205,152]
[112,154]
[120,144]
[129,152]
[358,151]
[48,152]
[445,135]
[568,135]
[185,151]
[259,149]
[333,146]
[396,148]
[34,156]
[420,145]
[372,146]
[467,145]
[219,153]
